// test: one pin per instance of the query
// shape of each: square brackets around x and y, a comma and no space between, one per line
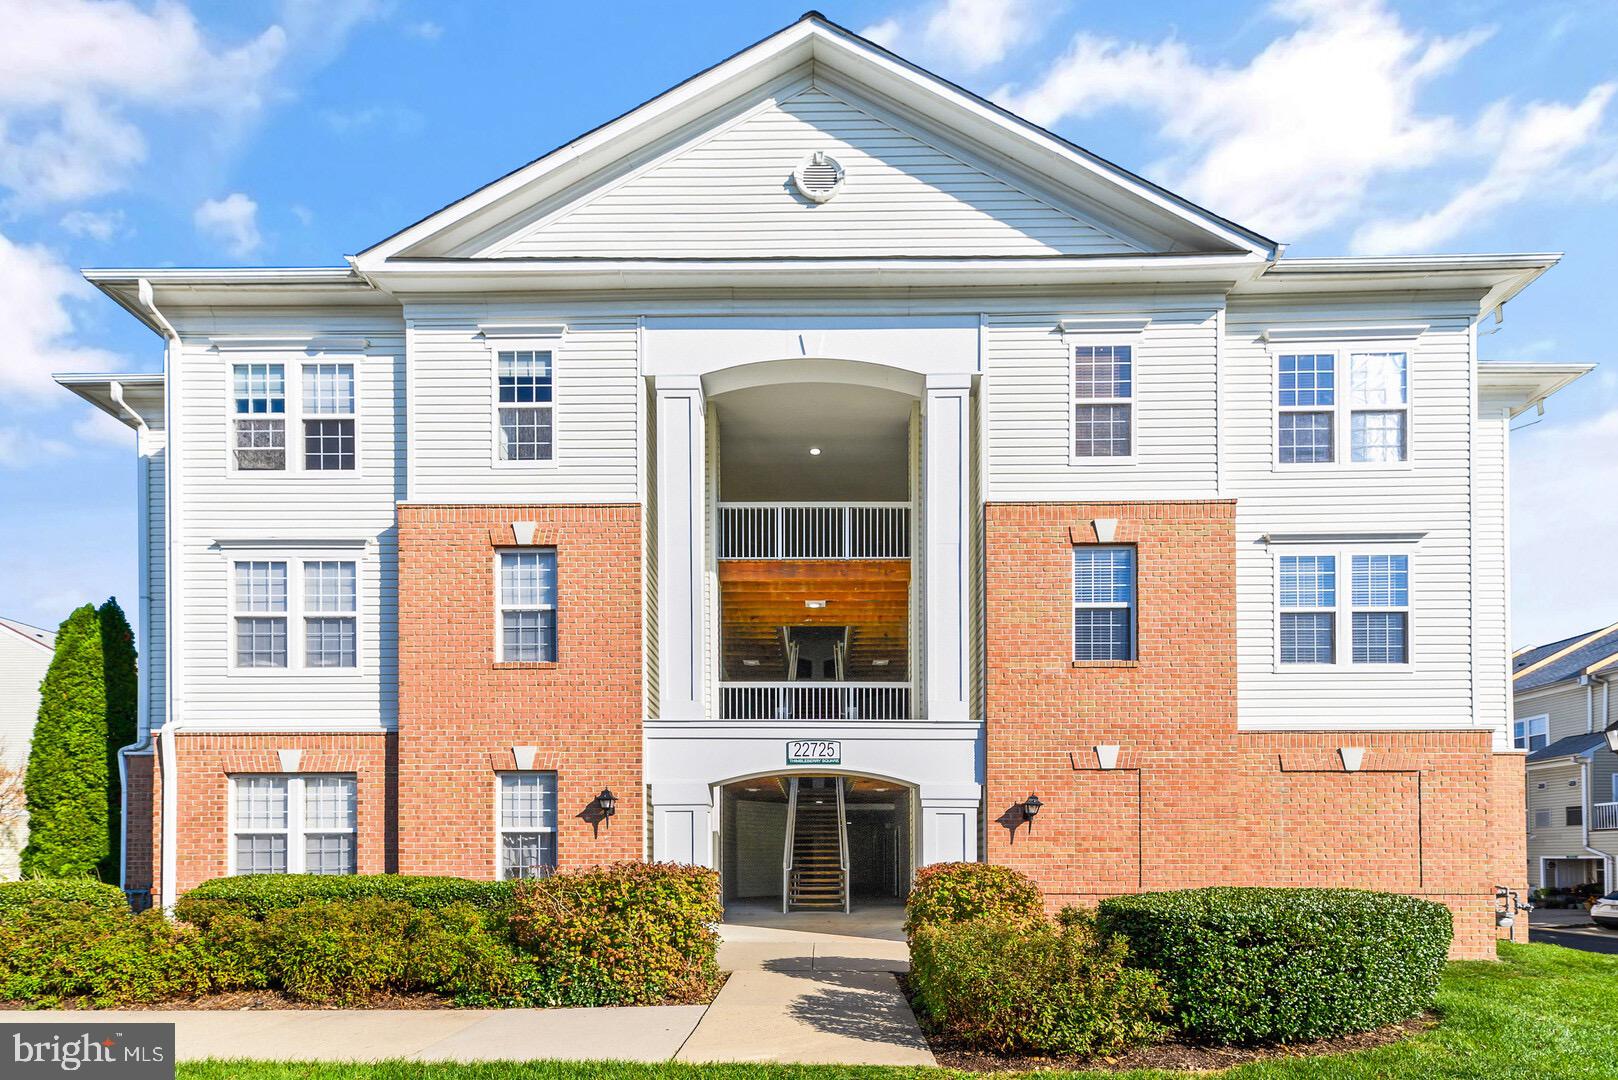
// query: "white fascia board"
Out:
[239,286]
[1519,385]
[1495,278]
[863,63]
[142,392]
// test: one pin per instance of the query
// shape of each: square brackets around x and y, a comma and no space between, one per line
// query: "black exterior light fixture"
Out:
[1612,736]
[1030,809]
[608,802]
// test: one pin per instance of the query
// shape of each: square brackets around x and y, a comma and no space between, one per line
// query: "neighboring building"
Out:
[1564,703]
[825,461]
[25,653]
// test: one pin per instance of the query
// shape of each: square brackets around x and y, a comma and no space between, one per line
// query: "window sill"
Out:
[525,665]
[1106,663]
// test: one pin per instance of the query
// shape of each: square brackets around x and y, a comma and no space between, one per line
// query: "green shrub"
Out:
[18,895]
[627,934]
[259,894]
[1033,988]
[961,892]
[56,951]
[1286,965]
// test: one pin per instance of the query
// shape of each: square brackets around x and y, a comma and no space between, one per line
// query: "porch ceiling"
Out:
[869,596]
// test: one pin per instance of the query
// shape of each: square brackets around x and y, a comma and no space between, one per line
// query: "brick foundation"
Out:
[461,713]
[1193,802]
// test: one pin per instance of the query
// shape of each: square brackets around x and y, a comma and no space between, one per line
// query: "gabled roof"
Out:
[12,629]
[816,44]
[1572,746]
[1560,661]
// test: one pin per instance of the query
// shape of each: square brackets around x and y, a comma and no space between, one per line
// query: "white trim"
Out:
[1355,539]
[1343,611]
[523,331]
[293,417]
[1316,334]
[1342,350]
[1104,324]
[500,607]
[1526,720]
[304,344]
[500,830]
[296,557]
[296,831]
[1097,332]
[551,346]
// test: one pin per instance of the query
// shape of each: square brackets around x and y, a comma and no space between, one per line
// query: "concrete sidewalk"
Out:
[811,989]
[653,1033]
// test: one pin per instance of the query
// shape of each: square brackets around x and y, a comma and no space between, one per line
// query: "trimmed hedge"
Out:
[625,934]
[960,892]
[1016,987]
[257,895]
[20,895]
[58,951]
[1249,965]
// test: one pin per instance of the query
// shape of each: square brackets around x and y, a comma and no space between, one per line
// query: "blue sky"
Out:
[293,133]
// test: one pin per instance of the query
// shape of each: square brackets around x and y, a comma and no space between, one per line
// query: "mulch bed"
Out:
[1174,1054]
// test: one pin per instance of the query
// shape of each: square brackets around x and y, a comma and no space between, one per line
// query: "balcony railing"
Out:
[814,701]
[814,530]
[1604,815]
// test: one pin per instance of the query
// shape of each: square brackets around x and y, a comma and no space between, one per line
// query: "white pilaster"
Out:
[946,457]
[949,823]
[681,446]
[682,824]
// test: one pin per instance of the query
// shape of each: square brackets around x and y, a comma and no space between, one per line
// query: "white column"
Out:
[945,495]
[682,824]
[949,822]
[681,446]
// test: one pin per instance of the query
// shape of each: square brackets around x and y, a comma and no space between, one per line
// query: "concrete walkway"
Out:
[804,988]
[811,989]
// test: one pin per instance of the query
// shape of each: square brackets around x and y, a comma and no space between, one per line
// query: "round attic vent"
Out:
[818,177]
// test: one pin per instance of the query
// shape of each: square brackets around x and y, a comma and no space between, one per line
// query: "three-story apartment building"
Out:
[815,473]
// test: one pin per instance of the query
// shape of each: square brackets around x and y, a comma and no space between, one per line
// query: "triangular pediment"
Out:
[706,171]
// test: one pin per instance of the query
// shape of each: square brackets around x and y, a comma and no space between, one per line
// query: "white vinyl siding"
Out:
[1429,497]
[221,515]
[1551,790]
[595,434]
[728,195]
[293,824]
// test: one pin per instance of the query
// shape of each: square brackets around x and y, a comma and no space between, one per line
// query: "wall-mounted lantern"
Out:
[1030,809]
[608,802]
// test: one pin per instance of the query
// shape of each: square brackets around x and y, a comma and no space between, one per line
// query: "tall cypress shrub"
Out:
[66,783]
[123,696]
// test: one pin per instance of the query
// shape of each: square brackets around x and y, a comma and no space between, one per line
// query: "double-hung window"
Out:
[273,601]
[260,423]
[526,824]
[260,603]
[1321,623]
[527,601]
[328,417]
[293,824]
[330,602]
[1103,602]
[1343,404]
[1534,733]
[524,407]
[1103,401]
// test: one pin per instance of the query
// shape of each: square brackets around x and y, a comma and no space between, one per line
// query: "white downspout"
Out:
[143,674]
[171,723]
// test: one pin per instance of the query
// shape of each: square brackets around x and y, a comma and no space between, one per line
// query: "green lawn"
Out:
[1543,1012]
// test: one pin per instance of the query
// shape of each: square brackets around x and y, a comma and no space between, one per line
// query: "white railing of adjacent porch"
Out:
[814,701]
[814,530]
[1604,815]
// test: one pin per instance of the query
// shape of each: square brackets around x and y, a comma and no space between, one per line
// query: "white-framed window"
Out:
[328,417]
[1103,401]
[525,824]
[330,604]
[1534,733]
[1103,602]
[259,421]
[1342,607]
[317,400]
[294,613]
[261,609]
[293,824]
[1343,405]
[525,409]
[526,593]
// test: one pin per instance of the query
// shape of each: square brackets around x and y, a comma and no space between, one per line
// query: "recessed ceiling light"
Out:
[879,663]
[749,663]
[755,789]
[814,451]
[814,603]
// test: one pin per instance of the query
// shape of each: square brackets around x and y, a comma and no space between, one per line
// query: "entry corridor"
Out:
[810,988]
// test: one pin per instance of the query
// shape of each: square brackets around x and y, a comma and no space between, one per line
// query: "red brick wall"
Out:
[138,832]
[205,764]
[1193,802]
[460,712]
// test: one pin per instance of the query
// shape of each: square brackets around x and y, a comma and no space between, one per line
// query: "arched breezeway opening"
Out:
[816,840]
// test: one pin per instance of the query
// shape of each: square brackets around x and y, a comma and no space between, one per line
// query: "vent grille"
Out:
[818,177]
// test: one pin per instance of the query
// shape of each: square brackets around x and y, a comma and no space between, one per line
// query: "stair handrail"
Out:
[842,843]
[786,854]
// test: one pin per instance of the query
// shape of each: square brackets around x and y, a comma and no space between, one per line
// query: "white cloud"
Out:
[1289,142]
[392,118]
[426,30]
[1563,520]
[100,225]
[968,34]
[1532,147]
[36,289]
[232,221]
